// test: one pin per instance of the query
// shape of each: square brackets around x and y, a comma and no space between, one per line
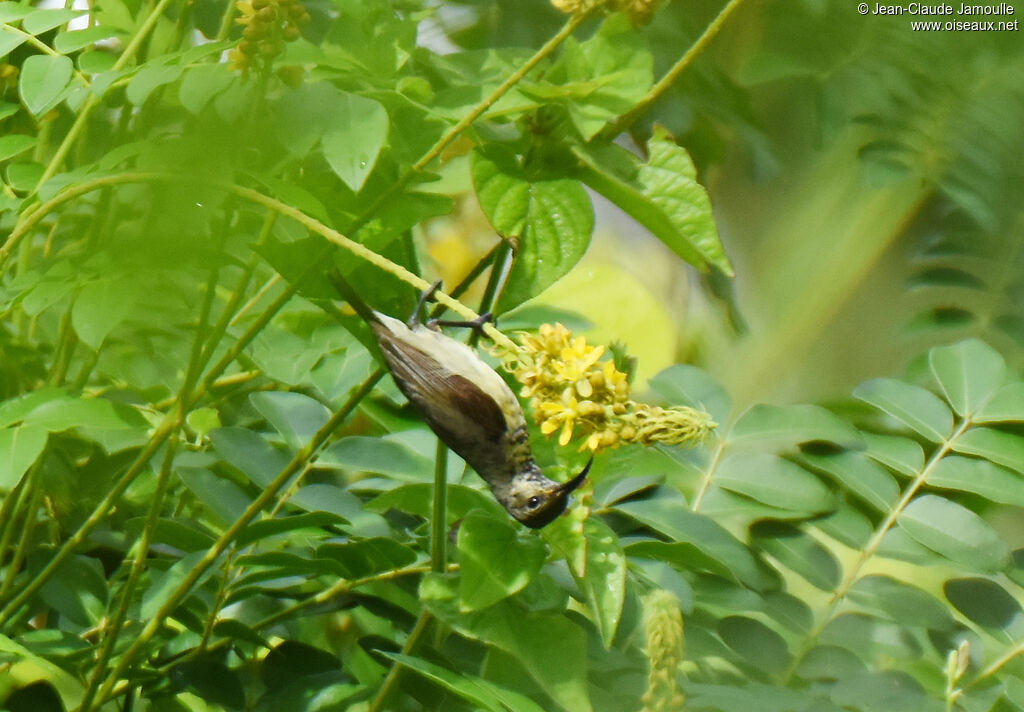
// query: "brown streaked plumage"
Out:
[474,412]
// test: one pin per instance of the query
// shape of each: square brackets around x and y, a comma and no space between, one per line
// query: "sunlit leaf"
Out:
[354,138]
[781,427]
[955,532]
[1006,404]
[42,81]
[969,373]
[552,219]
[903,455]
[920,410]
[860,476]
[774,481]
[968,474]
[998,446]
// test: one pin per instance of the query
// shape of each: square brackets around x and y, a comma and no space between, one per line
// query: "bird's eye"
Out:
[533,502]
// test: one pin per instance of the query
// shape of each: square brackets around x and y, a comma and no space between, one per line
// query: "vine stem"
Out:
[871,547]
[623,121]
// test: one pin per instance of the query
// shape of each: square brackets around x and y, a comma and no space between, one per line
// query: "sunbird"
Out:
[469,407]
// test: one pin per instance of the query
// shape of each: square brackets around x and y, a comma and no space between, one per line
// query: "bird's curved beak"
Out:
[567,487]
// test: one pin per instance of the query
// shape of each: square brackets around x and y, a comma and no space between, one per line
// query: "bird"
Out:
[469,407]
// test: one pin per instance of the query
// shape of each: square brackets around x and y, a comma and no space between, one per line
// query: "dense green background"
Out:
[213,499]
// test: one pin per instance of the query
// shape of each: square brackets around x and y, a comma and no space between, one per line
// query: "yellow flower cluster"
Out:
[638,11]
[268,25]
[663,627]
[570,387]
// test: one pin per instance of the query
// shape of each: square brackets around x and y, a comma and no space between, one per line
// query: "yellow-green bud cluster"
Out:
[638,11]
[663,627]
[570,387]
[268,25]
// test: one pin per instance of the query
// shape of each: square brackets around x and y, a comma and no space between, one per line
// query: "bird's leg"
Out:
[477,325]
[425,297]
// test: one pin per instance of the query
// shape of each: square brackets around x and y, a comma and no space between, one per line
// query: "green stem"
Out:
[438,525]
[624,121]
[411,644]
[304,454]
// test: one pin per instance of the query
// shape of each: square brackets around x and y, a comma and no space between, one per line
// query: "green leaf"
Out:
[93,413]
[968,372]
[861,476]
[201,84]
[19,448]
[551,217]
[901,603]
[798,552]
[675,520]
[68,42]
[920,410]
[550,647]
[7,108]
[203,420]
[495,562]
[871,638]
[163,583]
[985,603]
[367,557]
[14,144]
[222,497]
[903,455]
[24,176]
[151,76]
[211,679]
[10,39]
[254,457]
[1006,404]
[358,131]
[756,643]
[605,580]
[102,305]
[40,21]
[784,427]
[480,692]
[334,499]
[43,80]
[17,408]
[279,525]
[360,453]
[669,181]
[955,532]
[883,691]
[600,78]
[78,590]
[774,481]
[296,416]
[968,474]
[416,499]
[1000,447]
